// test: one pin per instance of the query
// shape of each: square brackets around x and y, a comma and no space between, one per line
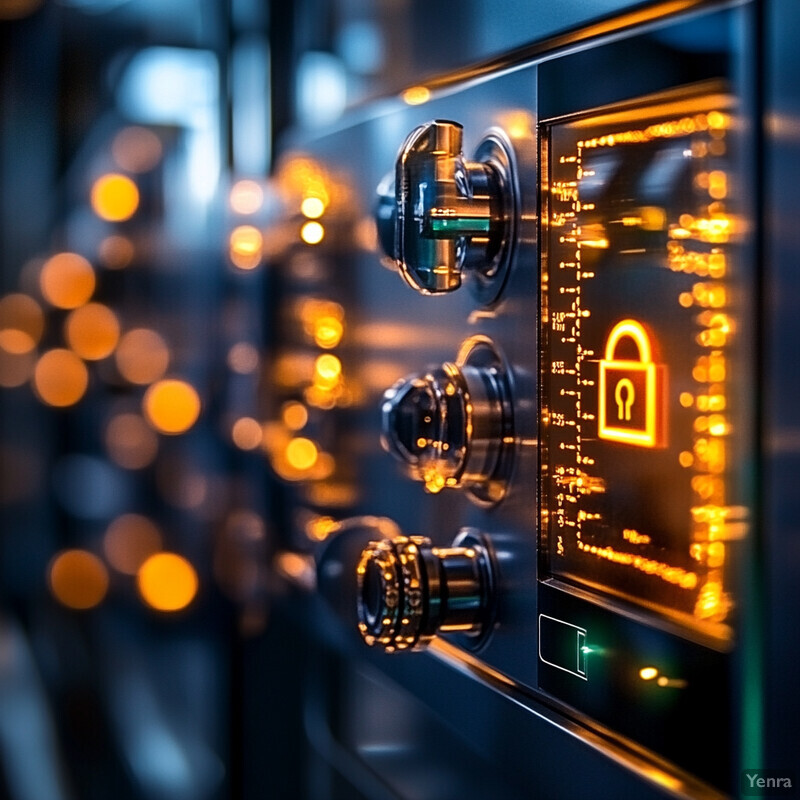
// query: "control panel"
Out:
[583,415]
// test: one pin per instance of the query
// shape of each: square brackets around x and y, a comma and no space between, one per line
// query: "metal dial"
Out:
[450,215]
[408,590]
[452,425]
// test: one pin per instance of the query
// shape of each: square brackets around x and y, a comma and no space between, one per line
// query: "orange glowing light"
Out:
[21,324]
[648,673]
[114,197]
[245,247]
[247,197]
[243,358]
[295,415]
[130,441]
[129,541]
[312,207]
[301,453]
[294,566]
[116,252]
[247,433]
[416,95]
[78,579]
[136,149]
[171,406]
[92,331]
[320,528]
[717,184]
[312,232]
[328,332]
[167,582]
[142,356]
[60,378]
[16,342]
[608,428]
[67,280]
[328,368]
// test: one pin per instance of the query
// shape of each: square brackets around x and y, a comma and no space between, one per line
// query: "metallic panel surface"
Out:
[559,743]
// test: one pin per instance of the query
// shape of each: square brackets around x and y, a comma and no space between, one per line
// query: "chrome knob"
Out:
[451,426]
[409,590]
[451,215]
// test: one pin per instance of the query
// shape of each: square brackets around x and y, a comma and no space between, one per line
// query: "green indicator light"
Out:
[460,225]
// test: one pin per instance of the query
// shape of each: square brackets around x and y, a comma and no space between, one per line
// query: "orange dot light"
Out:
[21,324]
[78,579]
[60,378]
[67,280]
[129,541]
[167,582]
[92,331]
[301,453]
[171,406]
[246,245]
[142,356]
[115,197]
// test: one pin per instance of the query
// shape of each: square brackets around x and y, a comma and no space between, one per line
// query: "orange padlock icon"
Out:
[631,391]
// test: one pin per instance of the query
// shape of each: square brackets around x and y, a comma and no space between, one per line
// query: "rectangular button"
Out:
[562,645]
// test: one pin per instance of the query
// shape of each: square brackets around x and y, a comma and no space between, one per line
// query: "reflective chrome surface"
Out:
[452,215]
[410,590]
[452,426]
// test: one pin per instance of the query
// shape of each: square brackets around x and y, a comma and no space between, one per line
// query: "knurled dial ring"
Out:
[391,592]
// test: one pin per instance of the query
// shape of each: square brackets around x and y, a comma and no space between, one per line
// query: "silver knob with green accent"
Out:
[452,215]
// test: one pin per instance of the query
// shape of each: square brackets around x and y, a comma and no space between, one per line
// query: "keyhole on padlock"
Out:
[624,387]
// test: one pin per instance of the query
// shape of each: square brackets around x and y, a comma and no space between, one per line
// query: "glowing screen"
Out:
[640,368]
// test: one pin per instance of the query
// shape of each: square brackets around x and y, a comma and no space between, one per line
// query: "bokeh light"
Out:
[129,541]
[245,247]
[114,197]
[116,252]
[312,207]
[67,280]
[328,332]
[328,368]
[78,579]
[243,358]
[247,433]
[15,369]
[130,441]
[136,149]
[301,453]
[171,406]
[294,415]
[142,356]
[60,378]
[21,324]
[167,582]
[247,197]
[312,233]
[92,331]
[416,95]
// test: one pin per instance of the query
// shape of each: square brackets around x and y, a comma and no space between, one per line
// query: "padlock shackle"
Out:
[634,329]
